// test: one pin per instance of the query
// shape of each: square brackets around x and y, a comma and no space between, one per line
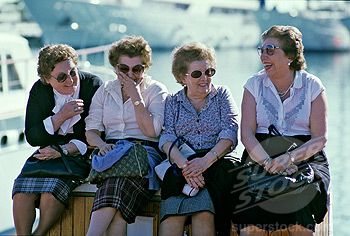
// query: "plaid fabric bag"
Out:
[133,164]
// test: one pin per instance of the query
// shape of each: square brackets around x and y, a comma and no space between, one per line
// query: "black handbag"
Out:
[263,185]
[133,164]
[73,167]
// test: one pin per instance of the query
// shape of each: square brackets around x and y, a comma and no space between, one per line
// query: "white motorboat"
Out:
[164,24]
[17,74]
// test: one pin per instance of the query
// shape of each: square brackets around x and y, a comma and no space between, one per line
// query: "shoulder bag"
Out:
[171,175]
[133,164]
[74,167]
[263,185]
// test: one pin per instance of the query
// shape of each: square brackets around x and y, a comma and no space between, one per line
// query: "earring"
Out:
[289,63]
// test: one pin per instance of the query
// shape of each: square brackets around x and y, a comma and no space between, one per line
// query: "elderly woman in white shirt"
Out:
[129,108]
[283,94]
[57,106]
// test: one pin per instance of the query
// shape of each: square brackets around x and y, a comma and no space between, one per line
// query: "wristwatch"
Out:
[136,103]
[64,149]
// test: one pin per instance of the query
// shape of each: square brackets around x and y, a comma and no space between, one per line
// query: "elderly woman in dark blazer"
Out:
[57,106]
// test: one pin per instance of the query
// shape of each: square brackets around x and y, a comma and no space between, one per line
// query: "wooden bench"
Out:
[75,220]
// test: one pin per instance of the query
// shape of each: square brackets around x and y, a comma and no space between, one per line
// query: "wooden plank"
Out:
[56,229]
[88,206]
[78,216]
[67,219]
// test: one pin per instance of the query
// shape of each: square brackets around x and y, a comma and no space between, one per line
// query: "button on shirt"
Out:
[292,116]
[108,112]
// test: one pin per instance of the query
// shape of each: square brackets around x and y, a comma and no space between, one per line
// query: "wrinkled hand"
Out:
[195,167]
[196,182]
[72,108]
[129,85]
[47,153]
[278,164]
[105,148]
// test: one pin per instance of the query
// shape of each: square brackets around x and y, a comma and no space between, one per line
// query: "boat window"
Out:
[227,10]
[14,82]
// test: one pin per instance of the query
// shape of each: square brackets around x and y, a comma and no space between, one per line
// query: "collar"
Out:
[182,94]
[267,82]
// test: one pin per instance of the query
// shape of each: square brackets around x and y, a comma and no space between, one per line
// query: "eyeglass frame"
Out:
[65,75]
[206,72]
[266,49]
[130,68]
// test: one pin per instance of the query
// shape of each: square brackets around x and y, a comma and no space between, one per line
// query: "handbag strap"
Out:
[63,157]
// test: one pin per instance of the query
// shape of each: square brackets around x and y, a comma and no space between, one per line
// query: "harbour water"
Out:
[234,68]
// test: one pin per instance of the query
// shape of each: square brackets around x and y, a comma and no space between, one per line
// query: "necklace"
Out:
[283,94]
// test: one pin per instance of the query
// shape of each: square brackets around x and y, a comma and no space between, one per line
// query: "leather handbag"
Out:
[173,182]
[165,168]
[133,164]
[73,167]
[263,185]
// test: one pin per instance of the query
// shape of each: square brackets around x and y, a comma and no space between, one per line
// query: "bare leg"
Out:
[24,212]
[252,231]
[117,226]
[298,230]
[100,221]
[172,226]
[203,224]
[50,211]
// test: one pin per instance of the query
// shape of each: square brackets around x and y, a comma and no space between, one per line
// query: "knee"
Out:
[203,216]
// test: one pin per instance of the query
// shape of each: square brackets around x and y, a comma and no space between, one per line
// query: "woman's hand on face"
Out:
[47,153]
[196,182]
[72,108]
[105,148]
[129,85]
[278,164]
[195,167]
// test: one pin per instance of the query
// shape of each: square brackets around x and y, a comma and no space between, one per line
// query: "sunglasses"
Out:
[269,49]
[61,77]
[138,69]
[208,72]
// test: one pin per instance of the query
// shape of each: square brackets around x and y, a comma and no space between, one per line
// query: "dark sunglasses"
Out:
[208,72]
[269,49]
[138,69]
[61,77]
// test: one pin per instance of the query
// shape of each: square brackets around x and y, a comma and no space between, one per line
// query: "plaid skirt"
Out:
[127,195]
[59,188]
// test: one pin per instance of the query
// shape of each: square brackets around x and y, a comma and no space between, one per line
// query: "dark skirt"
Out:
[306,206]
[59,188]
[128,195]
[183,205]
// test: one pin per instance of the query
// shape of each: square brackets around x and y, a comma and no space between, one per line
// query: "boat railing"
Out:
[95,60]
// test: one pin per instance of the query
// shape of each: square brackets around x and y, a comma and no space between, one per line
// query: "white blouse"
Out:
[108,113]
[292,116]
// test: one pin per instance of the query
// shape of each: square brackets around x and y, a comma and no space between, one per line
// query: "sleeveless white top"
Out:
[292,116]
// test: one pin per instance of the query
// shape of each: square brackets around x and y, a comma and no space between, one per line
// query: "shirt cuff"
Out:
[80,145]
[48,125]
[164,138]
[229,134]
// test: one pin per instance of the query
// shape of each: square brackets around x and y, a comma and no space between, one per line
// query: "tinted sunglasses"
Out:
[61,77]
[197,73]
[269,49]
[138,69]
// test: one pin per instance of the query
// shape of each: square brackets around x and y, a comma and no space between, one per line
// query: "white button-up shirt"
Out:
[108,112]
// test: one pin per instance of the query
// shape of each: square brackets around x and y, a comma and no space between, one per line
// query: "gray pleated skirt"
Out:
[183,205]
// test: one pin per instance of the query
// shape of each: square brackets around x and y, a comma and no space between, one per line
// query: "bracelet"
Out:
[291,157]
[215,154]
[266,161]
